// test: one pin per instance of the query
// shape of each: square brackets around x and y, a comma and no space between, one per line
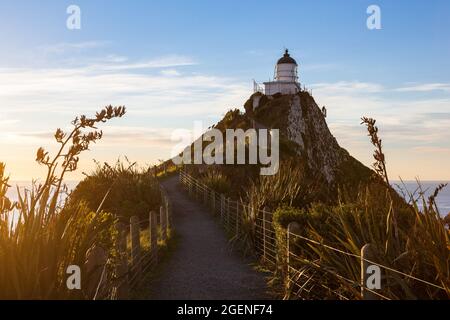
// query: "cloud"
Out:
[72,89]
[64,47]
[425,87]
[161,62]
[162,93]
[406,123]
[346,87]
[113,136]
[170,72]
[157,99]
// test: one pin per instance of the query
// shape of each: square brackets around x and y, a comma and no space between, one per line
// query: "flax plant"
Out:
[40,236]
[415,242]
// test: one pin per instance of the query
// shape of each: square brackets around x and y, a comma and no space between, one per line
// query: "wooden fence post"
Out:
[96,259]
[153,227]
[163,223]
[292,230]
[123,288]
[366,254]
[135,244]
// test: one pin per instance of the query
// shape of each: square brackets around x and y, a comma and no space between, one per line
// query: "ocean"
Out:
[26,185]
[443,199]
[428,187]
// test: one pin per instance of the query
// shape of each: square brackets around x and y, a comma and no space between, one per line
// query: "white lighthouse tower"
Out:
[285,78]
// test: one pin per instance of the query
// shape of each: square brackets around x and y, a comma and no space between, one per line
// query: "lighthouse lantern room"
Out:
[285,78]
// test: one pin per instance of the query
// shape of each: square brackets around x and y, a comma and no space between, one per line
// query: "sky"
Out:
[174,63]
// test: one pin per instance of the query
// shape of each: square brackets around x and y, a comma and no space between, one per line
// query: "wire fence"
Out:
[137,252]
[238,219]
[304,277]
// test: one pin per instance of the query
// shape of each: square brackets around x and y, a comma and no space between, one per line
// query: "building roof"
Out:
[287,59]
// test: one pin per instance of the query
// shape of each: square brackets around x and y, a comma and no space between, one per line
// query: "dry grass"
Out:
[40,237]
[403,238]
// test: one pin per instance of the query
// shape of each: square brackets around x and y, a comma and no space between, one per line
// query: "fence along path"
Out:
[202,265]
[115,278]
[233,213]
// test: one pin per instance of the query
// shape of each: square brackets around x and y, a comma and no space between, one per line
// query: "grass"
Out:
[216,181]
[402,238]
[420,247]
[168,170]
[131,191]
[364,209]
[39,236]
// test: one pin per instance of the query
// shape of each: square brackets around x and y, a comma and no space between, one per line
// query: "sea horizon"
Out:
[428,187]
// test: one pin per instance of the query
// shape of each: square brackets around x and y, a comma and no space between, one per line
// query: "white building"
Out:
[285,78]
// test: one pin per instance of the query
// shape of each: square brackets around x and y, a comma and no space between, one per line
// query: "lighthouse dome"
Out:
[287,59]
[286,69]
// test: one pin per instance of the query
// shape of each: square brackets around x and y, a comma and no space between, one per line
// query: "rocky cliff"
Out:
[302,122]
[305,142]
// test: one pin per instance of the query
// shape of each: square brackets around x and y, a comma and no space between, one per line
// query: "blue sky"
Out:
[175,62]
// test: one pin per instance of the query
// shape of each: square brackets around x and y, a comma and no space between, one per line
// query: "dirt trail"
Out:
[202,266]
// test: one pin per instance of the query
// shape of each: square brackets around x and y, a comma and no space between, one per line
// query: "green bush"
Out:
[418,247]
[40,236]
[130,191]
[217,181]
[317,215]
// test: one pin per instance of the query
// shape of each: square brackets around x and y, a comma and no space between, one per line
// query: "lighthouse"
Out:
[285,78]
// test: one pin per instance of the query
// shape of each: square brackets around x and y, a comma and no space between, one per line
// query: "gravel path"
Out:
[202,266]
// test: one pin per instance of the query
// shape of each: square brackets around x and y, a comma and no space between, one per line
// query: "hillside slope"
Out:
[306,144]
[301,121]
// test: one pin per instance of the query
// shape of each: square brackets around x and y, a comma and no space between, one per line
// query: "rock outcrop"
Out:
[306,143]
[302,122]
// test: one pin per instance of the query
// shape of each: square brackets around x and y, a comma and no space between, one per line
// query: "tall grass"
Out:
[420,249]
[40,237]
[288,187]
[217,181]
[415,242]
[131,191]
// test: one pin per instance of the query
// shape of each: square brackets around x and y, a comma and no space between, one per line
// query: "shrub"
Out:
[287,187]
[39,236]
[217,181]
[401,236]
[420,249]
[130,191]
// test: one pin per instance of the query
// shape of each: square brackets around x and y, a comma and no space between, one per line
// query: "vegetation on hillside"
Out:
[359,208]
[39,236]
[401,238]
[130,191]
[419,248]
